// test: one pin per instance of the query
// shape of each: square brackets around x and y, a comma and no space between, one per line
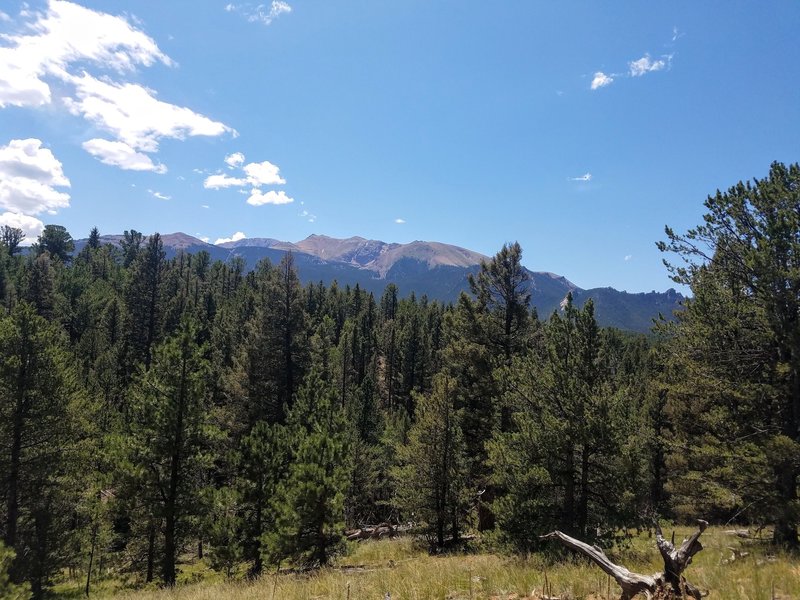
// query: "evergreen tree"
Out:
[503,299]
[310,509]
[143,300]
[748,250]
[56,241]
[38,402]
[167,435]
[262,468]
[11,238]
[94,239]
[39,285]
[9,589]
[431,478]
[131,244]
[562,464]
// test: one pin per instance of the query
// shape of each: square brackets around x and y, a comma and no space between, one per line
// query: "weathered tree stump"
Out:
[667,585]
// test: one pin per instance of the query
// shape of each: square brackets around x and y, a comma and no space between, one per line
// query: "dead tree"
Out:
[667,585]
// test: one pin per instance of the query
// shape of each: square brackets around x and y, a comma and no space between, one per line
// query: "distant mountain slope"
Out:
[439,271]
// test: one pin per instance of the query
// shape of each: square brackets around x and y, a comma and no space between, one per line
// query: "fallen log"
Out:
[372,532]
[667,585]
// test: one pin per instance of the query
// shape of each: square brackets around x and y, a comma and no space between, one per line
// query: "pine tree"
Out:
[561,464]
[56,241]
[310,507]
[167,435]
[748,250]
[262,467]
[431,478]
[39,403]
[143,300]
[11,238]
[8,589]
[94,239]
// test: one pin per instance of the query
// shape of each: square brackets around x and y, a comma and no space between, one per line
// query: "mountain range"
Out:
[437,270]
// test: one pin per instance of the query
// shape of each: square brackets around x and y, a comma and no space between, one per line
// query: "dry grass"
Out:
[408,573]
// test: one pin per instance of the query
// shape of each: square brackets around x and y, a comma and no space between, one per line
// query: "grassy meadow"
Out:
[404,569]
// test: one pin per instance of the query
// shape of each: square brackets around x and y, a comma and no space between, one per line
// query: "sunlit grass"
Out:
[403,569]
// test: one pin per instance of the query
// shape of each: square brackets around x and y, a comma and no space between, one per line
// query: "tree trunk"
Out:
[258,563]
[12,501]
[785,533]
[568,511]
[151,551]
[91,560]
[12,504]
[583,504]
[171,503]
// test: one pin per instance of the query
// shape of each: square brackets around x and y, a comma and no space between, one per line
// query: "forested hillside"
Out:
[152,408]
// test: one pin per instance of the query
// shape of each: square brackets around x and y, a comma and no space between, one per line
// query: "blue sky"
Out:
[578,129]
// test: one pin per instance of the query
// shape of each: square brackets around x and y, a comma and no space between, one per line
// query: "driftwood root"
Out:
[668,585]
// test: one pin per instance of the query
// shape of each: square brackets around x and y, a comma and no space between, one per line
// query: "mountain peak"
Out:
[181,240]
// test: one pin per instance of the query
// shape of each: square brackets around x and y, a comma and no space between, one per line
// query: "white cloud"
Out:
[239,235]
[234,160]
[4,17]
[62,35]
[69,55]
[204,238]
[584,177]
[258,198]
[400,221]
[645,65]
[159,195]
[29,176]
[254,175]
[216,182]
[120,154]
[30,226]
[204,206]
[134,115]
[628,257]
[261,13]
[601,80]
[263,173]
[307,215]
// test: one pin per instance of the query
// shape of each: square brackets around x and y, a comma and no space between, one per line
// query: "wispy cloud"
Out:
[584,177]
[600,80]
[307,215]
[239,235]
[628,257]
[400,221]
[234,160]
[159,195]
[645,65]
[637,68]
[261,13]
